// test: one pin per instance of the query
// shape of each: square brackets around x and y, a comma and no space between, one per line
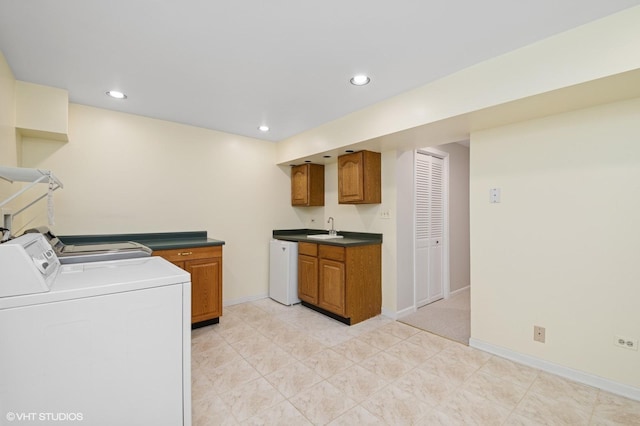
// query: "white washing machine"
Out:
[101,343]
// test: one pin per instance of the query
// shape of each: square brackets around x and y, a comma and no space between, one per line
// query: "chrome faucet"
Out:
[332,231]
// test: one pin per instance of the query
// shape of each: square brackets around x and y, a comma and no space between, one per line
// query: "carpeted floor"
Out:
[448,318]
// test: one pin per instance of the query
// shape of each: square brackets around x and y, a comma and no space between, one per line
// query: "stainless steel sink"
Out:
[324,236]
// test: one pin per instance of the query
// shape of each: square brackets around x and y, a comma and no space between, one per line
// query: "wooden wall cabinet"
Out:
[343,282]
[205,266]
[307,185]
[359,178]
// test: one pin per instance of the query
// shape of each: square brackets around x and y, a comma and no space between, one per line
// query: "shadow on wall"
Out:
[32,152]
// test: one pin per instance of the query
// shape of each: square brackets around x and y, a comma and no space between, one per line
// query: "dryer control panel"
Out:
[28,265]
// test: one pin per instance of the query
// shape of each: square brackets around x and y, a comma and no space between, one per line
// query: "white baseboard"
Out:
[411,309]
[389,314]
[406,311]
[621,389]
[244,300]
[459,290]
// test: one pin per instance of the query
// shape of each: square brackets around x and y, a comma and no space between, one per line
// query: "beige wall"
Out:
[561,249]
[124,173]
[128,174]
[8,152]
[41,111]
[8,144]
[458,214]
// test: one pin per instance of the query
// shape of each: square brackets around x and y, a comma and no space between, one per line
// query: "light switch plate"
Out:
[494,195]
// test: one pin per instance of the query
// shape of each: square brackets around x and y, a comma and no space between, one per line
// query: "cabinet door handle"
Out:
[185,253]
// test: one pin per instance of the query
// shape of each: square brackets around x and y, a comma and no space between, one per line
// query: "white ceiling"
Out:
[233,65]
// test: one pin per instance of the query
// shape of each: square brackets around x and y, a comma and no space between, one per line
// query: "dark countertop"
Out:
[155,241]
[350,238]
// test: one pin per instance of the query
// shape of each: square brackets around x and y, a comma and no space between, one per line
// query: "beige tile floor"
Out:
[266,363]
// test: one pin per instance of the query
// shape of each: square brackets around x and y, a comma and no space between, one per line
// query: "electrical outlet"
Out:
[538,333]
[625,342]
[385,214]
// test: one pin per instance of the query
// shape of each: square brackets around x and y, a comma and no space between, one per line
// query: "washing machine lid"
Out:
[82,253]
[76,281]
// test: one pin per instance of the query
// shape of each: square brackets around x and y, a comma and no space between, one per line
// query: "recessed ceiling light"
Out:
[263,128]
[360,80]
[117,95]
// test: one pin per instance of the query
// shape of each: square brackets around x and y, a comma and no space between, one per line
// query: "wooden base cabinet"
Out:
[342,282]
[205,266]
[331,294]
[308,278]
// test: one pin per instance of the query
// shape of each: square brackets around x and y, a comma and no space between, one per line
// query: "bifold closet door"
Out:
[429,231]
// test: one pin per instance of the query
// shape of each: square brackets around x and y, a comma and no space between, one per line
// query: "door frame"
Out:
[445,261]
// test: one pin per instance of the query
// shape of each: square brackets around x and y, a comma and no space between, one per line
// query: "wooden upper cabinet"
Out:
[307,185]
[359,178]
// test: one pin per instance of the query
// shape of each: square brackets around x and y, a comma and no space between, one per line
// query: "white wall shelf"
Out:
[33,177]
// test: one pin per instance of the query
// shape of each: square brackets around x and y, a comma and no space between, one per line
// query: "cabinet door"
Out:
[179,264]
[205,266]
[308,279]
[206,288]
[300,185]
[307,185]
[331,294]
[351,178]
[359,178]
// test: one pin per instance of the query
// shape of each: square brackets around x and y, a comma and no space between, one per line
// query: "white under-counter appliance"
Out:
[100,343]
[283,271]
